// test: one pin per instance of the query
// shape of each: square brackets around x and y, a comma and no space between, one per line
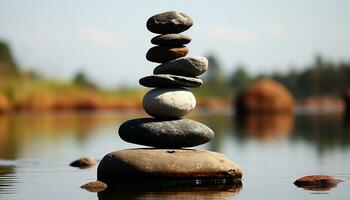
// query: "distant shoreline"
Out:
[311,105]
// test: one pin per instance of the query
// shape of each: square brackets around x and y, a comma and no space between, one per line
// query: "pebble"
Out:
[185,66]
[317,182]
[165,133]
[171,40]
[83,162]
[166,164]
[169,22]
[95,186]
[162,54]
[168,80]
[169,102]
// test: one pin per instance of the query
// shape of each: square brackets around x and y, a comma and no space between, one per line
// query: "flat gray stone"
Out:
[168,80]
[169,22]
[171,40]
[169,102]
[165,133]
[185,66]
[166,164]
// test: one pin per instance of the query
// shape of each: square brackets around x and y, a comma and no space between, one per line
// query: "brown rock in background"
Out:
[264,96]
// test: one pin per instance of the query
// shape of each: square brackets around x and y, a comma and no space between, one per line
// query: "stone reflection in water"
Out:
[7,139]
[347,123]
[151,191]
[220,124]
[7,179]
[265,127]
[17,132]
[325,132]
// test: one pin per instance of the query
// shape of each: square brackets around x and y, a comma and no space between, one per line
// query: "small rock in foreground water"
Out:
[95,186]
[83,162]
[317,182]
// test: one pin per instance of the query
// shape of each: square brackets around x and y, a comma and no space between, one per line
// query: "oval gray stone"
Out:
[171,39]
[166,164]
[168,80]
[169,22]
[165,133]
[168,102]
[184,66]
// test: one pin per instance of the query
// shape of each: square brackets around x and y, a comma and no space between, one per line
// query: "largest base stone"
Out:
[166,164]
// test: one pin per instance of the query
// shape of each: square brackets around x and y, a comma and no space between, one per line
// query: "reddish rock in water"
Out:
[264,96]
[95,186]
[317,182]
[83,162]
[163,54]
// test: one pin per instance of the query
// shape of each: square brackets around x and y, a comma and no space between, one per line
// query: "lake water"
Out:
[36,149]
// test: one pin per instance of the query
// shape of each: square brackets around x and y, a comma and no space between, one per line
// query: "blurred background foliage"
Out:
[28,89]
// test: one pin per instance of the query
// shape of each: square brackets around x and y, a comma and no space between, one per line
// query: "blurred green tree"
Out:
[81,80]
[239,78]
[8,65]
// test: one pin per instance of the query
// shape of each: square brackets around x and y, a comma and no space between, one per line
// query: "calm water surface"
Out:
[35,152]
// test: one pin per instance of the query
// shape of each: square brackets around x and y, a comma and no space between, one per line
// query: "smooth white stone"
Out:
[169,102]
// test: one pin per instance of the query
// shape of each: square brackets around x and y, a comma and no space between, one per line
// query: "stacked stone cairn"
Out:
[166,131]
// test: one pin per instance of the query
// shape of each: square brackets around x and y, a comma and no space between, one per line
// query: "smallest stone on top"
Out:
[169,22]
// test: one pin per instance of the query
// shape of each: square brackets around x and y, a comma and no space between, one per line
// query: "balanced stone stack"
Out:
[166,131]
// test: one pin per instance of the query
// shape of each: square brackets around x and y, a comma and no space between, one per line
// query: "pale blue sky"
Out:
[109,39]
